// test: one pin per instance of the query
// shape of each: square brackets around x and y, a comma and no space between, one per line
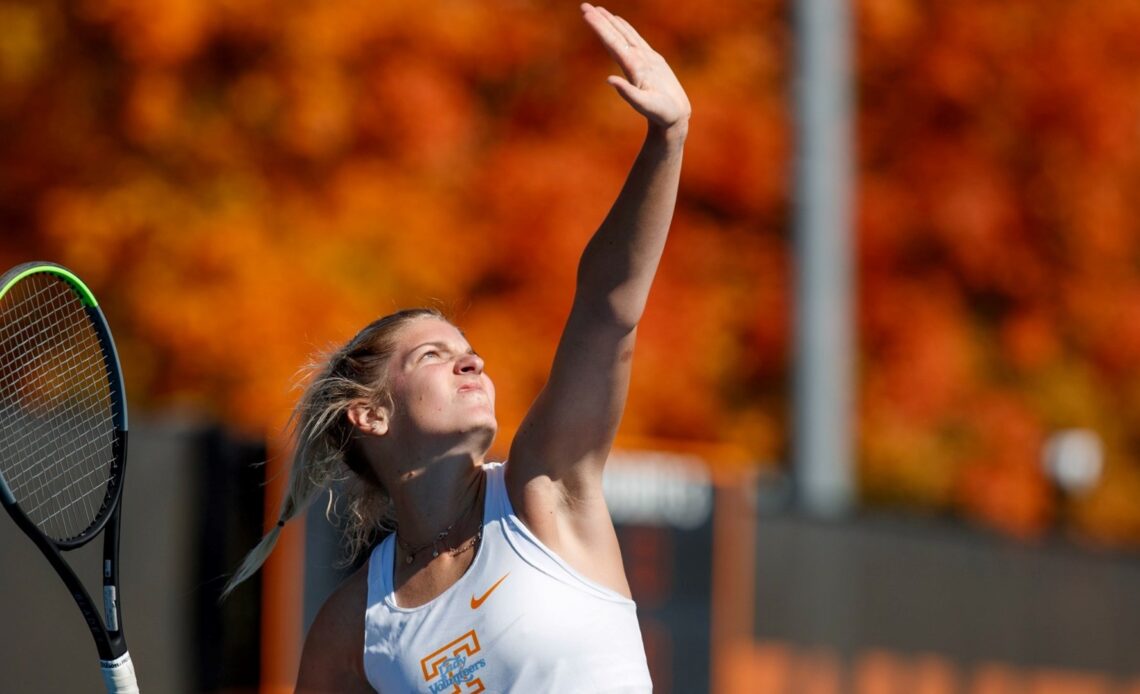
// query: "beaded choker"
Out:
[436,542]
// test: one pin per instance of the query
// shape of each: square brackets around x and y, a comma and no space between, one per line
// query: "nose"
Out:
[469,364]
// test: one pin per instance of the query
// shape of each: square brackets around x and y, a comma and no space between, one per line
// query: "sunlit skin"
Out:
[442,389]
[428,445]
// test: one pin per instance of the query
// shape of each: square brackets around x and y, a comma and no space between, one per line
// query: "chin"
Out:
[484,432]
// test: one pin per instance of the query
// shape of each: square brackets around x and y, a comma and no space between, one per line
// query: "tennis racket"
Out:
[63,437]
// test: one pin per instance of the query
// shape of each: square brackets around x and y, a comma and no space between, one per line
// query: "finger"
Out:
[613,41]
[605,28]
[624,28]
[621,26]
[630,33]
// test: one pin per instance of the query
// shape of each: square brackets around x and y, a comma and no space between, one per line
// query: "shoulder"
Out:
[333,656]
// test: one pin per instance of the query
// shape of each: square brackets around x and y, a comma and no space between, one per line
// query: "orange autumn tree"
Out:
[1000,161]
[245,183]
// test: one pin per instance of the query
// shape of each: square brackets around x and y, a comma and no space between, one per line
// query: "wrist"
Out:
[673,134]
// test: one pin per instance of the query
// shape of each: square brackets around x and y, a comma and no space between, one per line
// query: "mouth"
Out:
[468,387]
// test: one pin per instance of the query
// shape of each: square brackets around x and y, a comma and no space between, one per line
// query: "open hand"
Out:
[649,84]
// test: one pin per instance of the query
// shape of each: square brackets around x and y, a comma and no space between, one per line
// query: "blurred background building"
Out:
[246,184]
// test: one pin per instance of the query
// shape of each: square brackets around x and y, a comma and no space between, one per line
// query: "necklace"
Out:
[411,551]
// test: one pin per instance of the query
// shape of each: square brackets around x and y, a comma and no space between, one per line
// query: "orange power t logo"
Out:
[452,669]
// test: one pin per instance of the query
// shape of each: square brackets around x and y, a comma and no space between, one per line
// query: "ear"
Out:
[368,417]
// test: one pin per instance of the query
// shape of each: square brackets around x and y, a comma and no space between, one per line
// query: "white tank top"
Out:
[519,620]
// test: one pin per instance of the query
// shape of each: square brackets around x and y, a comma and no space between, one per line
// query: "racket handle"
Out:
[119,675]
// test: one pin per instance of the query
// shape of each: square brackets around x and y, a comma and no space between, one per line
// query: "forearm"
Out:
[620,260]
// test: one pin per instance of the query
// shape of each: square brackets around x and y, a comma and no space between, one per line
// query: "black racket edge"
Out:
[106,631]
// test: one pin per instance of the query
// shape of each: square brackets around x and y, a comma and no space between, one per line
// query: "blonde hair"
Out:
[325,451]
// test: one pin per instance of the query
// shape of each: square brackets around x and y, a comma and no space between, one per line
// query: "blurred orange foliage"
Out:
[998,244]
[244,183]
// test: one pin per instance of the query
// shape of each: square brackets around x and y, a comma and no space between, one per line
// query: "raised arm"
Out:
[557,456]
[620,261]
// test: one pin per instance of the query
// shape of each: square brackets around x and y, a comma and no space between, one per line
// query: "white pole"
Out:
[823,400]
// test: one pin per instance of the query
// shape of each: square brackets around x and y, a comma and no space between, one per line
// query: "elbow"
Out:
[611,295]
[613,309]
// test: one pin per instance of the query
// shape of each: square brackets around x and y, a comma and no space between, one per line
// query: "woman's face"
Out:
[438,384]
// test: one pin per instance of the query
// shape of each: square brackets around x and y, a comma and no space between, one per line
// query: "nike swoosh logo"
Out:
[477,601]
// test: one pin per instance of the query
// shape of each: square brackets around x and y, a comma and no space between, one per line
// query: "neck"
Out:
[432,496]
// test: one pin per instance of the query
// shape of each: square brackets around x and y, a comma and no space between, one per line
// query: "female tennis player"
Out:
[498,577]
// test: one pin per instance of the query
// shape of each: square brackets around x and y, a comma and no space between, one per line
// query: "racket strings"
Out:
[44,509]
[45,505]
[91,379]
[56,448]
[80,434]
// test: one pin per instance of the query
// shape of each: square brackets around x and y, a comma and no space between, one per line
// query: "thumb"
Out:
[627,91]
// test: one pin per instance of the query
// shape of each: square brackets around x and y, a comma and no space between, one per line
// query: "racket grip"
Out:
[119,675]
